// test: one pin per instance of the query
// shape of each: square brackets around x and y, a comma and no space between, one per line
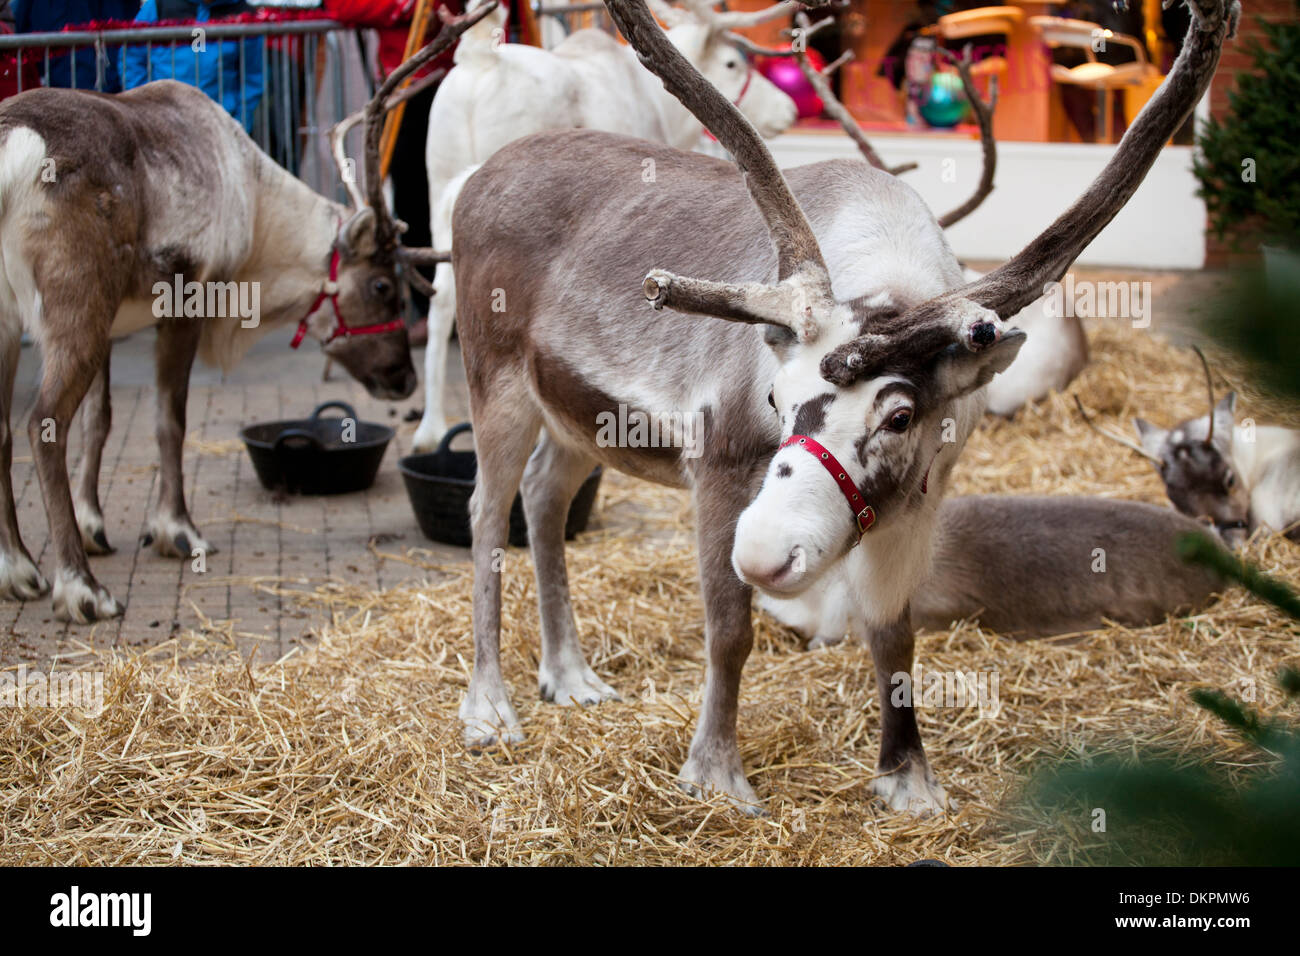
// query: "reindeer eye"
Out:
[899,421]
[1229,480]
[771,397]
[381,288]
[732,64]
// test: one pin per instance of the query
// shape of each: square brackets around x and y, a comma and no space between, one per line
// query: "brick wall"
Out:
[1236,60]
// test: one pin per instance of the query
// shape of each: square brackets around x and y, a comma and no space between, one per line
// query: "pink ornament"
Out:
[785,74]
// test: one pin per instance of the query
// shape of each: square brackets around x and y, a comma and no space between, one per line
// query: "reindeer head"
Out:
[1194,460]
[705,37]
[357,316]
[870,392]
[867,442]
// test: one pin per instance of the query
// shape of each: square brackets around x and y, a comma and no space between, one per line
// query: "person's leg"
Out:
[411,185]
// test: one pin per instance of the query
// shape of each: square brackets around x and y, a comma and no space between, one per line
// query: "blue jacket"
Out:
[200,67]
[51,16]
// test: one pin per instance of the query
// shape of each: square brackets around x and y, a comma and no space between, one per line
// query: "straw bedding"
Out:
[349,751]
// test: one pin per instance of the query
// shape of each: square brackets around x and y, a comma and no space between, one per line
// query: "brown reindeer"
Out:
[840,388]
[112,205]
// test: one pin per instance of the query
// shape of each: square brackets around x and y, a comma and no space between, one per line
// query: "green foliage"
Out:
[1263,125]
[1255,317]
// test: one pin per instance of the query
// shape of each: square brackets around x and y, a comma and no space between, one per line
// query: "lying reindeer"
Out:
[500,92]
[1029,567]
[1239,478]
[849,403]
[105,200]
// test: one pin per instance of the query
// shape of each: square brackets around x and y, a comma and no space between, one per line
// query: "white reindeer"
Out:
[498,92]
[107,205]
[850,404]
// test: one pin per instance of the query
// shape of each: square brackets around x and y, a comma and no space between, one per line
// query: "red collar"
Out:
[749,76]
[330,291]
[864,517]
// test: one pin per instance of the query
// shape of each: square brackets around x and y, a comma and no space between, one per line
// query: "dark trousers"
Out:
[411,181]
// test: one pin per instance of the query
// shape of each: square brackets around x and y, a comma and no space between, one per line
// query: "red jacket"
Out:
[391,20]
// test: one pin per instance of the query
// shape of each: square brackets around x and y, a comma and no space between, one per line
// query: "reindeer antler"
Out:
[1012,286]
[386,230]
[1119,439]
[1209,388]
[983,116]
[339,132]
[802,298]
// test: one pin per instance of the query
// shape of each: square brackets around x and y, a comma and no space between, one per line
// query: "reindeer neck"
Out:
[295,230]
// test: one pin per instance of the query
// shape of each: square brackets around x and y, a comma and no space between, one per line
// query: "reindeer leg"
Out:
[905,781]
[552,478]
[442,313]
[73,357]
[96,420]
[19,576]
[505,430]
[171,532]
[714,761]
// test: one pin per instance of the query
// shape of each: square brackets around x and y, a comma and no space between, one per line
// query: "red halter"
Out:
[864,517]
[330,291]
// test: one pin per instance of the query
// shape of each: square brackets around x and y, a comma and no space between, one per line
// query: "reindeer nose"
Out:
[983,334]
[766,577]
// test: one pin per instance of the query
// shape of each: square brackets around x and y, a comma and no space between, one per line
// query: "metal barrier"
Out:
[313,73]
[557,20]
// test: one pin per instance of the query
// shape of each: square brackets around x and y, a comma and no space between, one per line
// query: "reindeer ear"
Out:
[961,371]
[1152,437]
[357,237]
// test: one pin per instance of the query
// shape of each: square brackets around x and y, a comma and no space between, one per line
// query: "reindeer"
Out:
[499,92]
[1238,478]
[106,202]
[833,398]
[1029,567]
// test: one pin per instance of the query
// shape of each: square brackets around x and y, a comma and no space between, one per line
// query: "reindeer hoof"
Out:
[702,778]
[81,600]
[578,686]
[20,578]
[912,789]
[173,538]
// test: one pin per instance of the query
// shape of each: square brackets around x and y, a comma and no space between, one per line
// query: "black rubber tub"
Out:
[310,455]
[439,485]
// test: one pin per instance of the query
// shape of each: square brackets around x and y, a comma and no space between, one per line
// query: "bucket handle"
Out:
[299,433]
[348,410]
[445,444]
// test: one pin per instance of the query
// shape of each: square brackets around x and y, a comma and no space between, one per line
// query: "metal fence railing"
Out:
[286,81]
[557,20]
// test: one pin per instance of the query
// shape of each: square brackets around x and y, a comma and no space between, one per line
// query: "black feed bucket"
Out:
[317,456]
[439,485]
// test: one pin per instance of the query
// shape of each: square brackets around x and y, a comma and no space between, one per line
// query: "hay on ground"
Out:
[350,752]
